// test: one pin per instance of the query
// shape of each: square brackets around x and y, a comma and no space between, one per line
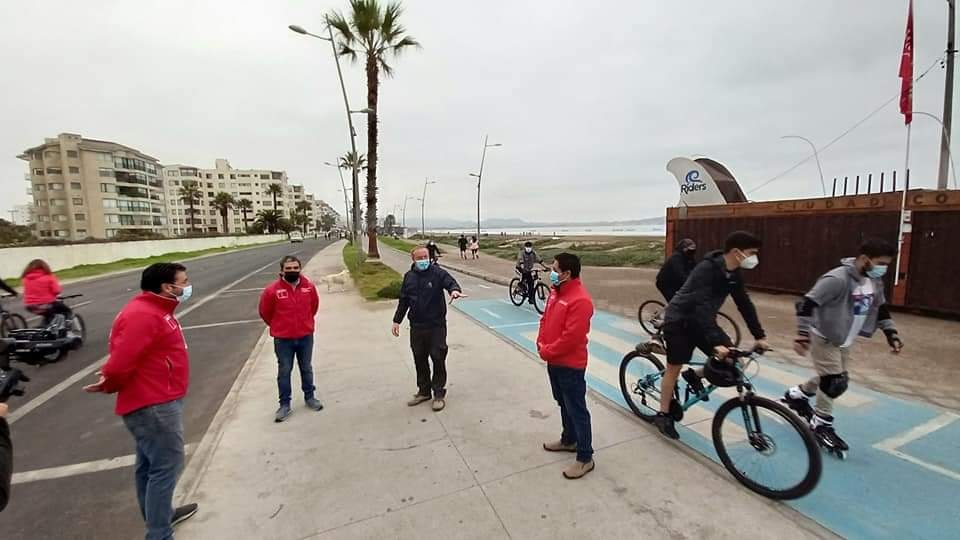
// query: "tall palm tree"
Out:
[275,189]
[303,207]
[270,220]
[190,193]
[223,202]
[347,161]
[374,31]
[245,205]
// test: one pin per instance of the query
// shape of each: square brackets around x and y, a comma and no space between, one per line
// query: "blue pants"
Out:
[286,349]
[570,390]
[158,432]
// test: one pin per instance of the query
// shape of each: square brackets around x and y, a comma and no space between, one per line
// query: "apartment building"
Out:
[86,188]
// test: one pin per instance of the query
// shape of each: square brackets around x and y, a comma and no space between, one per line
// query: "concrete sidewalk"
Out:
[368,466]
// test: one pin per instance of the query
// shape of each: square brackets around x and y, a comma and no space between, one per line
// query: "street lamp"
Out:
[946,139]
[423,203]
[823,185]
[344,190]
[479,177]
[405,199]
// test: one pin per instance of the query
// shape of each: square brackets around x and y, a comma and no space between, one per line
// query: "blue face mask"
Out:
[878,271]
[422,265]
[554,278]
[187,293]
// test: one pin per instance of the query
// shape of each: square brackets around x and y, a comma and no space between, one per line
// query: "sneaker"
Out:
[578,470]
[664,423]
[183,513]
[314,403]
[696,384]
[282,413]
[417,399]
[439,404]
[560,446]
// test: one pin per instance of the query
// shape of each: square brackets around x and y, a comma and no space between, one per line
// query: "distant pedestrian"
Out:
[434,251]
[474,247]
[562,343]
[289,306]
[462,243]
[149,369]
[423,303]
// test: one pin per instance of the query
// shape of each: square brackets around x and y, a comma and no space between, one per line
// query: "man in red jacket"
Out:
[289,306]
[148,369]
[562,342]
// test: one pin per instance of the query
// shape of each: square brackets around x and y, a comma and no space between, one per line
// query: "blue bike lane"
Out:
[901,476]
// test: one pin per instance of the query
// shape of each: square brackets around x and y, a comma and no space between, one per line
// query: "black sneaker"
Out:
[664,423]
[183,513]
[696,384]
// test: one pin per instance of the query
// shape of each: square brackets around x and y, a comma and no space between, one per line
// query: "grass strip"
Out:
[374,280]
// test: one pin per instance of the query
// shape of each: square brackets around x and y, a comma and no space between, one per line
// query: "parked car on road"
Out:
[296,236]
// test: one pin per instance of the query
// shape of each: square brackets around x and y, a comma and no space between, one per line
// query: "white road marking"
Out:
[892,444]
[492,314]
[482,286]
[75,306]
[52,392]
[514,325]
[75,469]
[214,325]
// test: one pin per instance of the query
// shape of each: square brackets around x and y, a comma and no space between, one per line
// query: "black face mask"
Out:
[690,254]
[291,277]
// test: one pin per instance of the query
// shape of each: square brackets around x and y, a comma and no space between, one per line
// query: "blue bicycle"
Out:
[766,447]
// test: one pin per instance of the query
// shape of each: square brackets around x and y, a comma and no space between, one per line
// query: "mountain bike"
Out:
[58,334]
[541,291]
[10,321]
[761,442]
[650,315]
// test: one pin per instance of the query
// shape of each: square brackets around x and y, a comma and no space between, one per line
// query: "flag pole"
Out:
[903,208]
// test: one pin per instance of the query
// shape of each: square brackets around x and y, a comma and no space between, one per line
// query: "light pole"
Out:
[353,133]
[479,177]
[344,190]
[405,199]
[423,203]
[823,185]
[948,98]
[942,184]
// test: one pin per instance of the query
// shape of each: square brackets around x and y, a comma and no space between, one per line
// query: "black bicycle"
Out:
[650,315]
[10,321]
[538,297]
[55,337]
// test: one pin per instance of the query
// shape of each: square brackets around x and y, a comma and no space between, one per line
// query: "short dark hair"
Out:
[568,262]
[289,258]
[741,240]
[685,244]
[157,274]
[877,247]
[528,244]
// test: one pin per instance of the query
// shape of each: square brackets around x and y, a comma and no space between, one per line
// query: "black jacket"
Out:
[673,274]
[5,287]
[696,303]
[422,299]
[6,463]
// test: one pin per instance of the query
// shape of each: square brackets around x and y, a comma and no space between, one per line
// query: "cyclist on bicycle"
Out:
[433,250]
[690,320]
[676,269]
[526,260]
[40,291]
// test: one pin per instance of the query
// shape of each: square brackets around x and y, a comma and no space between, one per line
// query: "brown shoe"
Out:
[439,404]
[558,446]
[417,399]
[578,470]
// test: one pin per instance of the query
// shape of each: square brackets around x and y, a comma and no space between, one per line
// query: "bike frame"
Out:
[743,387]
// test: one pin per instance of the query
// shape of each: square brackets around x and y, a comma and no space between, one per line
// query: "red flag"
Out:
[906,71]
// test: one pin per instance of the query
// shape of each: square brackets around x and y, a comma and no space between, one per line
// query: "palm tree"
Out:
[374,31]
[190,193]
[223,202]
[347,161]
[275,189]
[245,205]
[270,220]
[304,207]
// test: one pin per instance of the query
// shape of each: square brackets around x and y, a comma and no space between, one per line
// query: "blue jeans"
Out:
[158,432]
[286,349]
[570,390]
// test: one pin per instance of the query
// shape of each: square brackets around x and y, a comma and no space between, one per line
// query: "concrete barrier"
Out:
[13,260]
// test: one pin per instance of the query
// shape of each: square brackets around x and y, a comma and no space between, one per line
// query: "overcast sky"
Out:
[589,99]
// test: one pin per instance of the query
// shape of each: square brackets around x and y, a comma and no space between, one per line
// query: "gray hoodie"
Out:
[834,314]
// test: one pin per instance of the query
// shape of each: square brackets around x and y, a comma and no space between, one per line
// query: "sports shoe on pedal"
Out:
[664,423]
[696,384]
[282,413]
[183,513]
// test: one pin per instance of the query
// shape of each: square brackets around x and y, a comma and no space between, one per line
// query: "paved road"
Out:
[61,432]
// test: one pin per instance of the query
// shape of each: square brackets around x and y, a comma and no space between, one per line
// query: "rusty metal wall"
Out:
[933,281]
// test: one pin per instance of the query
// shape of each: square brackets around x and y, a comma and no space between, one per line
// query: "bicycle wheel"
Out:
[11,321]
[540,295]
[78,327]
[730,327]
[766,447]
[650,311]
[517,295]
[640,376]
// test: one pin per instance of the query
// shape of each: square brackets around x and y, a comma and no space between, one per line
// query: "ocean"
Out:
[599,230]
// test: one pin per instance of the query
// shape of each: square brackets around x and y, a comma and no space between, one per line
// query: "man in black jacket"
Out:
[423,303]
[690,320]
[674,272]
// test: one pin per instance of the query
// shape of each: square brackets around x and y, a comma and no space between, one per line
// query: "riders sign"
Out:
[697,187]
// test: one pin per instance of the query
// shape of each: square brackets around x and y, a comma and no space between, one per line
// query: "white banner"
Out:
[697,187]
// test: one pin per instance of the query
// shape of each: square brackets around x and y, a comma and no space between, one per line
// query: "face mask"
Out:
[422,264]
[528,249]
[187,293]
[554,278]
[291,277]
[750,262]
[878,271]
[690,253]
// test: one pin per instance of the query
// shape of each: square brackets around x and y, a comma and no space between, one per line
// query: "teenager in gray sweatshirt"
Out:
[843,304]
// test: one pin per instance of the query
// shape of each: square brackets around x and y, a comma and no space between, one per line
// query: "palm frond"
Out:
[336,21]
[348,51]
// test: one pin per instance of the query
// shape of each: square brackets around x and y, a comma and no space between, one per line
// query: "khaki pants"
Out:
[828,359]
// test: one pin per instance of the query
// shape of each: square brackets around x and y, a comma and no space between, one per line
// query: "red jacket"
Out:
[289,311]
[148,361]
[562,340]
[40,287]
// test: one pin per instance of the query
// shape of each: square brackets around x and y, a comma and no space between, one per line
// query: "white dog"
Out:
[336,279]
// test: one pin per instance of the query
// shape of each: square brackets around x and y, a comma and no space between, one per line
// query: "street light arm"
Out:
[946,137]
[823,185]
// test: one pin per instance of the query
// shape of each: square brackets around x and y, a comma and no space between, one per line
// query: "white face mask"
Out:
[528,249]
[750,262]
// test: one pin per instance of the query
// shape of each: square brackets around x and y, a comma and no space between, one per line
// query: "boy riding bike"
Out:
[844,303]
[690,320]
[526,260]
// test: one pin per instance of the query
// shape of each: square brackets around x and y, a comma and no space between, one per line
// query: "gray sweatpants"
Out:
[828,359]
